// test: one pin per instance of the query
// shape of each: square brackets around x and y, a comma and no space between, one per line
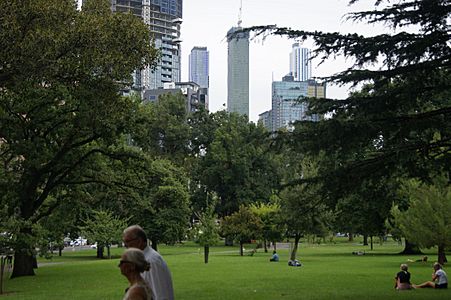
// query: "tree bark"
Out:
[295,247]
[155,245]
[411,248]
[371,240]
[99,251]
[23,263]
[241,248]
[265,246]
[365,240]
[441,255]
[108,251]
[206,253]
[350,237]
[23,256]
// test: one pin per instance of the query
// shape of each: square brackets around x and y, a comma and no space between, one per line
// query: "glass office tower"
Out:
[238,72]
[199,66]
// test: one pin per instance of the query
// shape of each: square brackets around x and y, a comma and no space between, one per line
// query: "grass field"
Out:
[329,271]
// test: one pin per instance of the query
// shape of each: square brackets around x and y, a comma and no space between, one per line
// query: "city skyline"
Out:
[206,24]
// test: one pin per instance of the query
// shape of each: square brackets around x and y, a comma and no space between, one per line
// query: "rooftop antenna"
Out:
[239,14]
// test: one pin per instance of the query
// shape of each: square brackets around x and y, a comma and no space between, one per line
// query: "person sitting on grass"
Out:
[275,256]
[439,279]
[402,279]
[132,264]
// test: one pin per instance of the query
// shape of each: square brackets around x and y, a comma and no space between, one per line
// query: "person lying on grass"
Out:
[439,279]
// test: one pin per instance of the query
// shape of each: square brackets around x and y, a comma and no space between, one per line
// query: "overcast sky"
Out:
[206,22]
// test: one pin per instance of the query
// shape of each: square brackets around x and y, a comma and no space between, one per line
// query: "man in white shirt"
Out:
[158,277]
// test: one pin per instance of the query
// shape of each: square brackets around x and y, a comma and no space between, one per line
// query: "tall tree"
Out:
[61,71]
[302,207]
[162,208]
[237,164]
[427,221]
[399,122]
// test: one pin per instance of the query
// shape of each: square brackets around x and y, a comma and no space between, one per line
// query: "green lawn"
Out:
[330,271]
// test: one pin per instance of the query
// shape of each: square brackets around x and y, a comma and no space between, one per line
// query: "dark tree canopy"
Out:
[61,71]
[400,119]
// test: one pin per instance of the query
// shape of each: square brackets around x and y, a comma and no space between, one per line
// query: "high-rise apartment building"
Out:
[300,64]
[238,72]
[199,66]
[164,18]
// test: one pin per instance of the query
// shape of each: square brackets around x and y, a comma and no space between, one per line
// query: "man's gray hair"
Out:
[136,231]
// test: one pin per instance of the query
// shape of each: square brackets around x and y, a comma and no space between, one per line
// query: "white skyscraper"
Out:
[238,72]
[300,65]
[199,66]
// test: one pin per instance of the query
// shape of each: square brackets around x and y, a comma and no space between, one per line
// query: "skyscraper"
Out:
[163,18]
[300,65]
[199,66]
[238,72]
[286,107]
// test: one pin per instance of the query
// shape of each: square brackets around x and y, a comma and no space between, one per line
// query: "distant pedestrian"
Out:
[158,277]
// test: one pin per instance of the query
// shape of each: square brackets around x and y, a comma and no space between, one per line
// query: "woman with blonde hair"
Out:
[132,264]
[402,279]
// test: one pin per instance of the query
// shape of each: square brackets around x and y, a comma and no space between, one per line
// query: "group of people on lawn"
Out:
[439,279]
[150,278]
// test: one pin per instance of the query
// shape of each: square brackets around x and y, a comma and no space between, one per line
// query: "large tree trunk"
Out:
[441,255]
[241,248]
[108,251]
[365,240]
[99,250]
[23,263]
[155,245]
[206,253]
[265,246]
[411,248]
[24,260]
[371,239]
[295,247]
[350,237]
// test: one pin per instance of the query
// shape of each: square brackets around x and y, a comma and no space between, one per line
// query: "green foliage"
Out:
[237,164]
[398,123]
[269,214]
[163,207]
[427,221]
[162,130]
[242,226]
[61,71]
[207,230]
[302,208]
[103,228]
